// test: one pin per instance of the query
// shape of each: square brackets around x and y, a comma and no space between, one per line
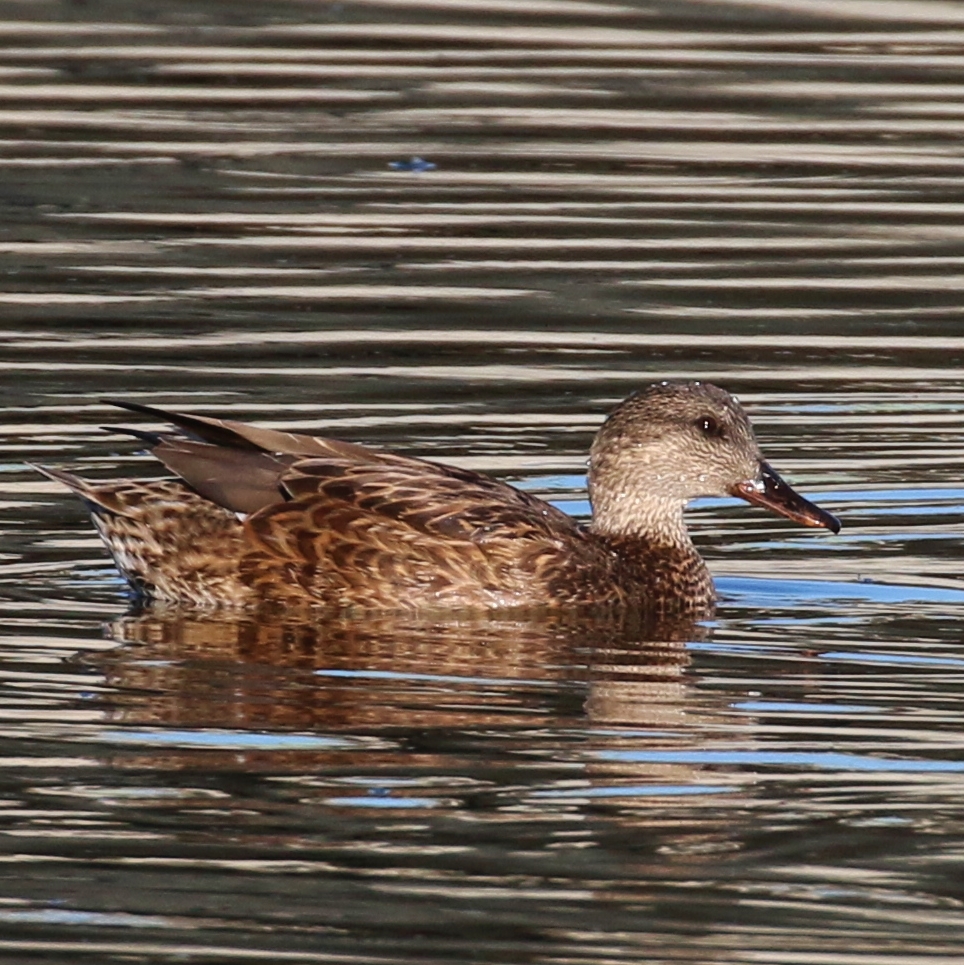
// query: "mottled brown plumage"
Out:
[258,516]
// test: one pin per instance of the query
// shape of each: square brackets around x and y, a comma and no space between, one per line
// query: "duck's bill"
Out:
[770,491]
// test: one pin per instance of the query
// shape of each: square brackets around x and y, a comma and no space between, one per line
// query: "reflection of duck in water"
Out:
[263,516]
[271,671]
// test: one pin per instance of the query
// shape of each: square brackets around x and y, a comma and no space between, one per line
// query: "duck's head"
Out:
[673,442]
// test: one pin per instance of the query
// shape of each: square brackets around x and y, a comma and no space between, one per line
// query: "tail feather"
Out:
[167,541]
[98,498]
[74,483]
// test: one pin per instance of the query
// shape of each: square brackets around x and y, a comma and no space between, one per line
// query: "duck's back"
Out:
[416,534]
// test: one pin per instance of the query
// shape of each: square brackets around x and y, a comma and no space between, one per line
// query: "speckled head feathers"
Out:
[664,446]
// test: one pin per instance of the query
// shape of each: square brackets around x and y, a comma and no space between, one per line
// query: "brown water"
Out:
[198,209]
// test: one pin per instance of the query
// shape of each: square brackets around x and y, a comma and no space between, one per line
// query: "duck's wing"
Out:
[428,497]
[247,469]
[406,535]
[228,434]
[239,466]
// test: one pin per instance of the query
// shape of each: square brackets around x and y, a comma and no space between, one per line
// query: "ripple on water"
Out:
[218,216]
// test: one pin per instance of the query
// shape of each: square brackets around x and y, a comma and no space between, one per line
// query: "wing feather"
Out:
[426,497]
[370,535]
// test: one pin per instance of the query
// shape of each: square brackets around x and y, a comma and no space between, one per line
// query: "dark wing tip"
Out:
[137,407]
[151,438]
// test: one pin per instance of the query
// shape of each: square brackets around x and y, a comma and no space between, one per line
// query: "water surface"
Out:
[219,210]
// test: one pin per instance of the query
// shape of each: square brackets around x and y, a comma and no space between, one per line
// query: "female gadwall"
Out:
[259,516]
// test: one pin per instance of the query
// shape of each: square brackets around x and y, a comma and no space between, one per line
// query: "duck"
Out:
[257,516]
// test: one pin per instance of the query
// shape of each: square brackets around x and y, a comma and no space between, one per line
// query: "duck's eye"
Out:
[709,427]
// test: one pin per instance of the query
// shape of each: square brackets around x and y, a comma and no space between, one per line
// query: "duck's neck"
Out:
[658,564]
[657,522]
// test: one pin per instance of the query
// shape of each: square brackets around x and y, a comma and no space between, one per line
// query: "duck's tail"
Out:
[167,541]
[87,490]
